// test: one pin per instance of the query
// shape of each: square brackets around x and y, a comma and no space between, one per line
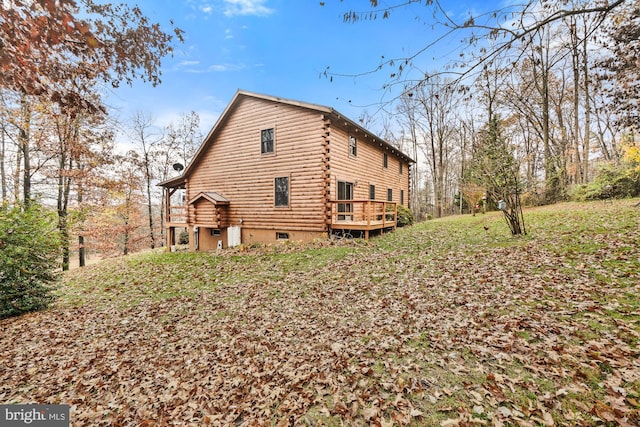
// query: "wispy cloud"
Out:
[246,7]
[228,34]
[195,67]
[186,63]
[225,67]
[206,8]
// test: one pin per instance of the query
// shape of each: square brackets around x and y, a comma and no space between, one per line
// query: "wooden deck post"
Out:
[171,237]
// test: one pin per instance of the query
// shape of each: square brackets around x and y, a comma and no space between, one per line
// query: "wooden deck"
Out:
[363,215]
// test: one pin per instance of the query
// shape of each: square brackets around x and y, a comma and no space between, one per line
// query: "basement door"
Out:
[234,236]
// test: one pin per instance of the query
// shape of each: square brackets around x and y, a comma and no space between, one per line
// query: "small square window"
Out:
[267,141]
[385,160]
[353,146]
[215,232]
[282,236]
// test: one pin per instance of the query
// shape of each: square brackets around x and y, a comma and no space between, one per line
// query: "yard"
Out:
[444,323]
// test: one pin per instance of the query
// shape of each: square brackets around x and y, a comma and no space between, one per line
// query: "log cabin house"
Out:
[276,169]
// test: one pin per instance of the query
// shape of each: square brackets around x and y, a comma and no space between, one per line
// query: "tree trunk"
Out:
[441,169]
[149,201]
[415,197]
[575,63]
[437,192]
[67,137]
[3,174]
[163,237]
[81,251]
[552,181]
[16,176]
[126,238]
[23,142]
[587,109]
[63,225]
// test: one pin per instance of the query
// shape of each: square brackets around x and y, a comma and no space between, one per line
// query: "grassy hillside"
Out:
[448,322]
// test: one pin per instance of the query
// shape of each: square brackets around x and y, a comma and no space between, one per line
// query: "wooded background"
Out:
[542,102]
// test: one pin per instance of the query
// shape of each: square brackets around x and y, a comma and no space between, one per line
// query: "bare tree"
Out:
[146,137]
[435,99]
[505,28]
[408,120]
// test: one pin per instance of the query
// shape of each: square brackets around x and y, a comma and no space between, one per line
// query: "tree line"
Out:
[541,99]
[57,140]
[105,196]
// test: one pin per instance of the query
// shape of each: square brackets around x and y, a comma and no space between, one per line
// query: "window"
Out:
[400,167]
[402,197]
[372,192]
[282,236]
[215,232]
[385,160]
[281,194]
[267,145]
[345,190]
[389,195]
[353,146]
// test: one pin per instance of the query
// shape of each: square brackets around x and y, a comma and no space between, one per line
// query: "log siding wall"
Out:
[234,167]
[366,168]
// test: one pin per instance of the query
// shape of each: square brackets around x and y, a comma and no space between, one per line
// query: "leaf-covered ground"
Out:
[444,323]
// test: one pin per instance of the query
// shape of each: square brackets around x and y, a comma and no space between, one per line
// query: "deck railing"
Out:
[177,214]
[363,214]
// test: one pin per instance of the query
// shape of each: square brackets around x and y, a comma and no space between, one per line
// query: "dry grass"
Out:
[442,323]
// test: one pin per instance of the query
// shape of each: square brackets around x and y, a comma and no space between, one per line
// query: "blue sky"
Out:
[280,48]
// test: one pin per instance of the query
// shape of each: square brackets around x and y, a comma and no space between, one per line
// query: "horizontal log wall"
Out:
[234,167]
[366,168]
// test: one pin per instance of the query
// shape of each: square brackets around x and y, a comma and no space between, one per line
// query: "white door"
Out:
[233,236]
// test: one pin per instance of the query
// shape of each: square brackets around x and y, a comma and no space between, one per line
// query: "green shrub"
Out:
[405,216]
[611,181]
[29,254]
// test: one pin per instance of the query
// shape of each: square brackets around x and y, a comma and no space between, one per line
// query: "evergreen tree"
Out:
[494,167]
[29,256]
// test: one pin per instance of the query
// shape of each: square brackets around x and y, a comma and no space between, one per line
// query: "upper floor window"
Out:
[267,141]
[385,160]
[353,146]
[281,193]
[400,168]
[389,195]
